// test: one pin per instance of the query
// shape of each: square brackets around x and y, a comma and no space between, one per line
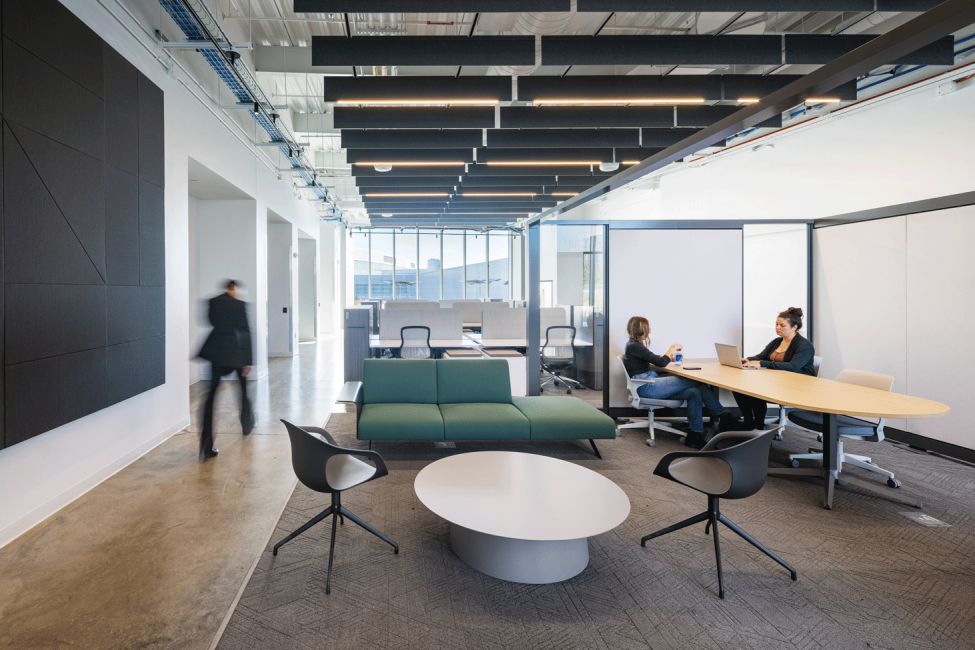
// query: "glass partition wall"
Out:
[426,264]
[572,292]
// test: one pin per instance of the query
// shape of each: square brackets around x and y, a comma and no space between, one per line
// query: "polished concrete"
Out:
[155,556]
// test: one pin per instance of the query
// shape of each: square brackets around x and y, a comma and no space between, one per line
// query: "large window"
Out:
[476,265]
[499,273]
[405,283]
[381,268]
[429,274]
[433,264]
[453,265]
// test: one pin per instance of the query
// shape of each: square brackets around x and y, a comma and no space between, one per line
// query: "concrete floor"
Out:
[155,556]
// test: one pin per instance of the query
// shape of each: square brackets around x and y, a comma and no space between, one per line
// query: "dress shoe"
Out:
[722,423]
[695,439]
[208,453]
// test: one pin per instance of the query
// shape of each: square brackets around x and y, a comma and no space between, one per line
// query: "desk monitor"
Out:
[729,355]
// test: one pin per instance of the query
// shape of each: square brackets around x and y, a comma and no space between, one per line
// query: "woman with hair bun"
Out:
[790,351]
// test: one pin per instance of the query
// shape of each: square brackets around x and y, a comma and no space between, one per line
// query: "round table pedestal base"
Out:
[519,560]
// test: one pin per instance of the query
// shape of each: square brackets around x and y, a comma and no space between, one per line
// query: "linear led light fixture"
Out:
[416,102]
[565,194]
[569,102]
[406,163]
[498,194]
[410,194]
[553,163]
[812,100]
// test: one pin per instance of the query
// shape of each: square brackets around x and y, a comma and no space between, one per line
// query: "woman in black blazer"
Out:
[790,352]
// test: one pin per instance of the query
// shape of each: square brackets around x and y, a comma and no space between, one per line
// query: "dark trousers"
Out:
[246,415]
[753,410]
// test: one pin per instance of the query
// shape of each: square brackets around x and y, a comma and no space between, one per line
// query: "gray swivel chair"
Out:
[781,419]
[848,427]
[414,342]
[733,473]
[323,466]
[559,355]
[649,405]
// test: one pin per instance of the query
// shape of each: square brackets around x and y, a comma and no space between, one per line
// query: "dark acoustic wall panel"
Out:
[135,367]
[152,142]
[407,139]
[45,320]
[568,117]
[423,50]
[121,227]
[136,313]
[819,49]
[82,223]
[44,100]
[729,5]
[471,117]
[57,37]
[409,155]
[507,180]
[434,189]
[552,154]
[121,112]
[661,50]
[406,170]
[152,234]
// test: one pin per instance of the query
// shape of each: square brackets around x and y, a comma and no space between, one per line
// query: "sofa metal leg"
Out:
[594,449]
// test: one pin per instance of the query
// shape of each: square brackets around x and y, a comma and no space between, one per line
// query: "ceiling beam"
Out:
[944,19]
[457,117]
[413,139]
[359,156]
[428,6]
[413,88]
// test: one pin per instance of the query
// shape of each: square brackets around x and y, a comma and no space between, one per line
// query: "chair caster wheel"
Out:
[274,552]
[568,391]
[683,439]
[794,463]
[777,436]
[651,442]
[894,483]
[841,482]
[819,438]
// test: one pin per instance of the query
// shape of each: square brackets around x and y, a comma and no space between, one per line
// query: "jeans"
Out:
[696,394]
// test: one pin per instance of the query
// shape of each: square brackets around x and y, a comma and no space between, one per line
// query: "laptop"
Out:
[729,355]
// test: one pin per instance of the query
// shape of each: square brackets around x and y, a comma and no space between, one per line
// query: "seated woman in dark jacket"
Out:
[638,361]
[790,352]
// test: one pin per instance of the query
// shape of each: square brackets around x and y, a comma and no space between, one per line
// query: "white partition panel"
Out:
[443,323]
[898,296]
[504,324]
[775,274]
[410,304]
[687,283]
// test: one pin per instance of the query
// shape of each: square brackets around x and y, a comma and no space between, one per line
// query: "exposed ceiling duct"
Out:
[535,24]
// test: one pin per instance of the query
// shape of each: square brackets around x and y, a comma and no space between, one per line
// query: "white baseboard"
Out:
[38,515]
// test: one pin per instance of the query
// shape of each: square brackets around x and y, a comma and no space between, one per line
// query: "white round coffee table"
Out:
[521,517]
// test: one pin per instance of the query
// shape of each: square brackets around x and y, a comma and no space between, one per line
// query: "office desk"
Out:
[376,342]
[831,398]
[517,343]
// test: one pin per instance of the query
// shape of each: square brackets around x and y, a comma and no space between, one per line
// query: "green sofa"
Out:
[462,399]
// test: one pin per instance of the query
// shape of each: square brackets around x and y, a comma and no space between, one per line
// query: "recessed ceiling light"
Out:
[383,167]
[609,166]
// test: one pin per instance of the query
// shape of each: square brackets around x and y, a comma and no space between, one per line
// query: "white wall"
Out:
[687,283]
[196,368]
[280,280]
[896,296]
[328,276]
[41,475]
[307,289]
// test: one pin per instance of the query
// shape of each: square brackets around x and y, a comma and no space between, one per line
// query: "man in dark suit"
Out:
[228,349]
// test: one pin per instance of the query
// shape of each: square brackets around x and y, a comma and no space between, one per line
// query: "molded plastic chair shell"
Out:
[733,473]
[323,466]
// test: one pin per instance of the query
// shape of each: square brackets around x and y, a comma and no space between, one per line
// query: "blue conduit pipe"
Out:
[898,74]
[189,21]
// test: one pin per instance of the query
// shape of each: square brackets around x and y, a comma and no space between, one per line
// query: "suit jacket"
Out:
[798,358]
[229,344]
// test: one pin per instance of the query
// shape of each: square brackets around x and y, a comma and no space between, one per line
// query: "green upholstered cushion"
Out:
[483,381]
[483,421]
[399,381]
[564,418]
[400,422]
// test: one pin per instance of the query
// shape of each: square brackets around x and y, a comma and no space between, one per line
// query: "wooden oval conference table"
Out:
[831,398]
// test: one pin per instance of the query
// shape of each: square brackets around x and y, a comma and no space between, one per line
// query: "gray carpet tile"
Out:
[868,576]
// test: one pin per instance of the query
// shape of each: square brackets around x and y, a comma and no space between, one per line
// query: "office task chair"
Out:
[848,427]
[817,363]
[649,405]
[414,342]
[323,466]
[558,355]
[733,473]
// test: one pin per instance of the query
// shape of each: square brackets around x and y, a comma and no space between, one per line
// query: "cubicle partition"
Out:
[411,304]
[444,324]
[513,323]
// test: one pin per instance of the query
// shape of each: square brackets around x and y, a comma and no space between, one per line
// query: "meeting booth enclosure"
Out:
[697,282]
